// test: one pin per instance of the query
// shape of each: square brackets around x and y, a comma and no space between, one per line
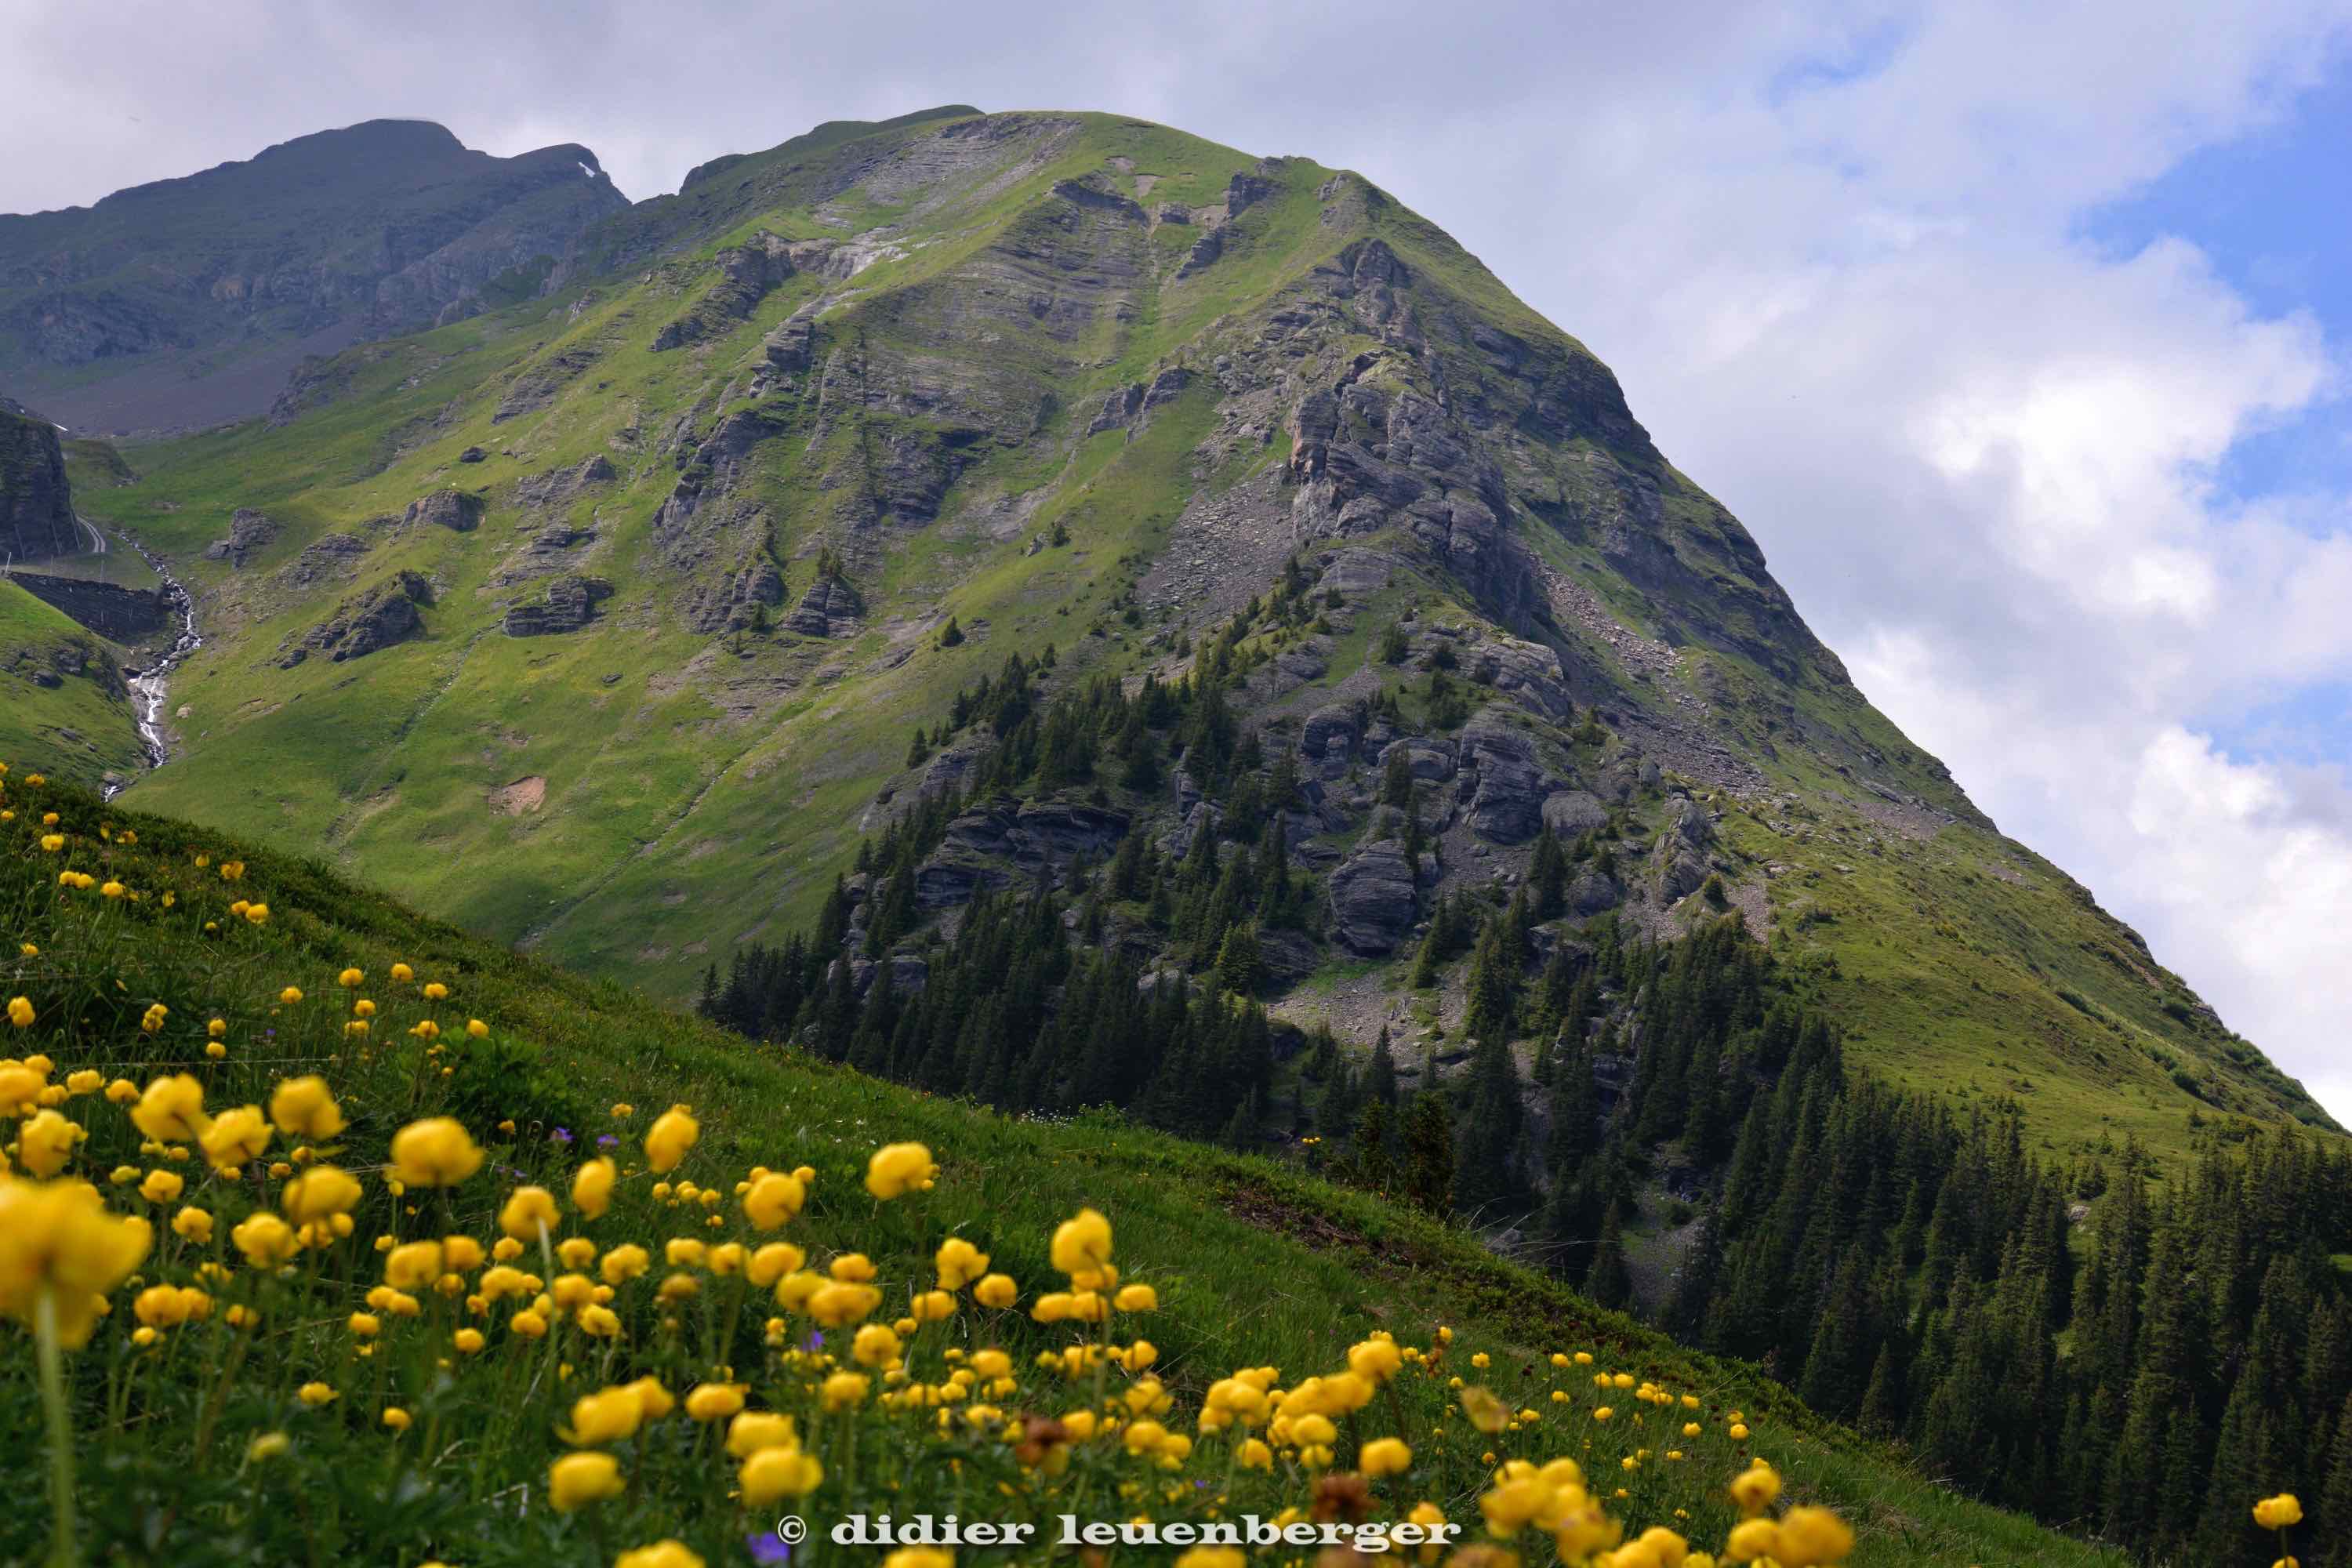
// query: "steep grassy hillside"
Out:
[61,696]
[247,1397]
[625,605]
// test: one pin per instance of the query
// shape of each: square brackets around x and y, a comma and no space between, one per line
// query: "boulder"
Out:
[1328,736]
[1573,814]
[557,487]
[1593,894]
[1693,826]
[248,531]
[472,454]
[452,509]
[1527,673]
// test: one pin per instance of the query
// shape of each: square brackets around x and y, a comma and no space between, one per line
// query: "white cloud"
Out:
[1830,249]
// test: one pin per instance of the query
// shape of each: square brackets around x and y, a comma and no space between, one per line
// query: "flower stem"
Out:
[53,1399]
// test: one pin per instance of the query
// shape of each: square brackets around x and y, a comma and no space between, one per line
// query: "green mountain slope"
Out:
[1255,1265]
[61,694]
[622,606]
[186,301]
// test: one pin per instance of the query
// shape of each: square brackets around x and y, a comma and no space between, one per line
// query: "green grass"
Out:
[1256,1262]
[76,730]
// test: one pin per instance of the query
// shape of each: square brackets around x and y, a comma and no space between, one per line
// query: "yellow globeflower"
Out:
[1384,1457]
[772,1474]
[2279,1513]
[1082,1244]
[996,1290]
[714,1400]
[171,1109]
[592,1188]
[756,1429]
[20,1012]
[413,1266]
[846,1390]
[315,1395]
[265,1239]
[436,1153]
[1212,1557]
[1137,1298]
[1755,1489]
[877,1345]
[193,1224]
[529,1213]
[396,1417]
[898,1169]
[45,1142]
[1751,1539]
[773,1199]
[576,1480]
[919,1557]
[606,1416]
[1812,1538]
[321,1193]
[236,1138]
[660,1554]
[959,1263]
[674,1133]
[58,1245]
[302,1108]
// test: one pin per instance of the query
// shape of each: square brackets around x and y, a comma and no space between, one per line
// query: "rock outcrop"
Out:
[452,510]
[986,847]
[248,531]
[570,604]
[830,609]
[365,623]
[1373,895]
[36,515]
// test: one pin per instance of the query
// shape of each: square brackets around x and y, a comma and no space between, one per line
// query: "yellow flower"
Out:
[57,1242]
[193,1224]
[1811,1536]
[919,1557]
[45,1142]
[772,1262]
[660,1554]
[959,1263]
[836,1305]
[773,1199]
[302,1108]
[2279,1513]
[469,1341]
[321,1193]
[1739,1432]
[774,1473]
[1751,1539]
[1755,1489]
[265,1239]
[1384,1457]
[402,974]
[413,1266]
[592,1188]
[898,1169]
[1082,1244]
[20,1012]
[1486,1413]
[846,1390]
[1137,1298]
[996,1290]
[236,1138]
[171,1111]
[875,1345]
[756,1429]
[396,1417]
[674,1133]
[475,1029]
[576,1480]
[529,1213]
[1212,1557]
[436,1153]
[714,1400]
[606,1416]
[315,1395]
[436,992]
[264,1447]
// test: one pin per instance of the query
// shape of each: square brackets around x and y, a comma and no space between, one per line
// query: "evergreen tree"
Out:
[1429,1153]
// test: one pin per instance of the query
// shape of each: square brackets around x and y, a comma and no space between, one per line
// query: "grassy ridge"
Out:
[1255,1263]
[80,728]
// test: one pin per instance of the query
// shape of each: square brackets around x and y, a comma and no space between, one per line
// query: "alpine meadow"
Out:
[1010,815]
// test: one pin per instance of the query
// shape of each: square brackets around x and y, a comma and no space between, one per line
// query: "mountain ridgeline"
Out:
[184,303]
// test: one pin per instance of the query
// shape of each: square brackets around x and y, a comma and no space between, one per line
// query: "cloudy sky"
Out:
[2014,332]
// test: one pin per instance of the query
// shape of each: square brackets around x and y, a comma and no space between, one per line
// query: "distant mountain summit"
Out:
[187,301]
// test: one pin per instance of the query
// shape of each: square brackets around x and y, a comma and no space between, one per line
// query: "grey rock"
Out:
[452,509]
[1509,806]
[472,454]
[1573,814]
[830,609]
[248,531]
[366,623]
[570,604]
[1373,899]
[558,487]
[1593,894]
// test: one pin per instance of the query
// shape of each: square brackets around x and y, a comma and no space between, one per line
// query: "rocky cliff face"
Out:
[36,517]
[845,426]
[189,300]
